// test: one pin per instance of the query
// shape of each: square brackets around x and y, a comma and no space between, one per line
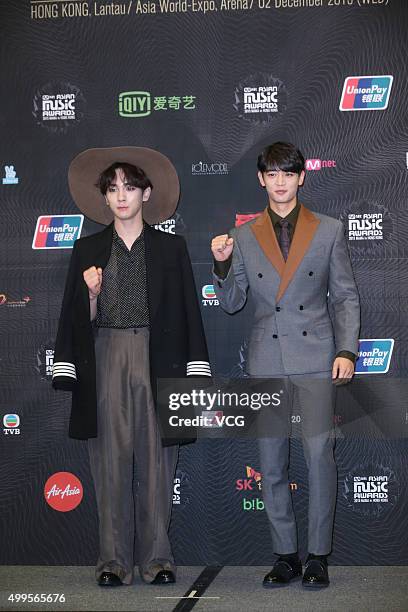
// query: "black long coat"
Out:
[177,341]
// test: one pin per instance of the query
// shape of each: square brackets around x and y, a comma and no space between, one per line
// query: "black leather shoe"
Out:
[282,573]
[316,575]
[164,577]
[110,580]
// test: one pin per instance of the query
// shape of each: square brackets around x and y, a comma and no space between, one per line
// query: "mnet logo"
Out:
[135,104]
[318,164]
[11,423]
[57,231]
[209,296]
[374,356]
[366,93]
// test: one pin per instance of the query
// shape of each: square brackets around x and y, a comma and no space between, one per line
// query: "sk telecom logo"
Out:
[57,231]
[135,104]
[374,356]
[366,93]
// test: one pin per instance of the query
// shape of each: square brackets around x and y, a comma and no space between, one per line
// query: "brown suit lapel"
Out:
[265,235]
[306,227]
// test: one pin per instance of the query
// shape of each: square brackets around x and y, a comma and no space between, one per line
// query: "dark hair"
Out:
[134,176]
[281,156]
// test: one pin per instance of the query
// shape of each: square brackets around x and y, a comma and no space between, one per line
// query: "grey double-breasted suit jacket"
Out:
[293,331]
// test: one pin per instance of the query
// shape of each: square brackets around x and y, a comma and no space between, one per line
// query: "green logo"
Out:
[135,104]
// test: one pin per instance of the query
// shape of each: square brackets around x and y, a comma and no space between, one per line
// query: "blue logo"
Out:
[11,177]
[374,356]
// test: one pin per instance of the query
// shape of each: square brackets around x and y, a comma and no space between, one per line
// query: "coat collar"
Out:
[306,227]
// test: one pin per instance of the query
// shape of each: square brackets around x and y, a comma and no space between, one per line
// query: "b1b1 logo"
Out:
[63,491]
[11,424]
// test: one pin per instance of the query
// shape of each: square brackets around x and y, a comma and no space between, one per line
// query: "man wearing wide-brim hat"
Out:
[129,317]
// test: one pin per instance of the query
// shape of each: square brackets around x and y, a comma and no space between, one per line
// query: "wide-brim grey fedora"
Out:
[85,169]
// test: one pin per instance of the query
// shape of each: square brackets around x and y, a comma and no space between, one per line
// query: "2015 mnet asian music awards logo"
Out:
[260,97]
[371,489]
[58,105]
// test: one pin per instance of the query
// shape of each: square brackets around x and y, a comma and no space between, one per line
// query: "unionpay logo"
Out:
[366,93]
[374,356]
[57,231]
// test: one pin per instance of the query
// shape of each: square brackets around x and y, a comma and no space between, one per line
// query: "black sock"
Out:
[291,558]
[322,558]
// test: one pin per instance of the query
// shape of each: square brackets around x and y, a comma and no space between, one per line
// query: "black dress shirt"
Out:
[122,302]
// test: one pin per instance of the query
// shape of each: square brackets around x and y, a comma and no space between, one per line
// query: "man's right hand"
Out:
[93,278]
[222,247]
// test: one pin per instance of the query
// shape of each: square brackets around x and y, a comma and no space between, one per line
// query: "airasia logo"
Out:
[63,491]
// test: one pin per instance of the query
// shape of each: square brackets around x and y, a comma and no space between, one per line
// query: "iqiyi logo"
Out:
[142,103]
[135,104]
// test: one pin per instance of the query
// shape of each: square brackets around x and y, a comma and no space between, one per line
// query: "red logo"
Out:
[63,491]
[240,219]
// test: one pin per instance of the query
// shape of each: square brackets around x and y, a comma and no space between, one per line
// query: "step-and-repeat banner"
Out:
[209,83]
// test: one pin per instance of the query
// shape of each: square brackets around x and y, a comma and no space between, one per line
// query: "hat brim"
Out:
[85,168]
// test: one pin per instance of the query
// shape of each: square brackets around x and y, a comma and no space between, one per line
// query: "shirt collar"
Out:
[116,239]
[291,217]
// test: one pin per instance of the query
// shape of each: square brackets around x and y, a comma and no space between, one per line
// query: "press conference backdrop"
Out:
[209,83]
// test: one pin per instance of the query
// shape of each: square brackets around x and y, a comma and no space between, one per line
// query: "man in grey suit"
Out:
[294,264]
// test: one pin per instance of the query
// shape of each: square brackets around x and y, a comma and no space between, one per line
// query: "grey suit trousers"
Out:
[131,520]
[315,393]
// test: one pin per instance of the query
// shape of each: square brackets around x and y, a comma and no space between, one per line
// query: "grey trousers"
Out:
[316,399]
[128,441]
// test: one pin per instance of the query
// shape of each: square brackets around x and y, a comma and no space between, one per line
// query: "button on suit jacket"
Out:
[293,331]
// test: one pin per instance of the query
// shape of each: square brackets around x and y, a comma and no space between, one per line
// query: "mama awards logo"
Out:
[260,97]
[58,105]
[368,226]
[370,489]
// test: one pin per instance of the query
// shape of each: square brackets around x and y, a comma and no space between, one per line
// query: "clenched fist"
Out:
[93,278]
[221,247]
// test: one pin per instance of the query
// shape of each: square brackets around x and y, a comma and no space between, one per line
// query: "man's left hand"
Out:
[343,370]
